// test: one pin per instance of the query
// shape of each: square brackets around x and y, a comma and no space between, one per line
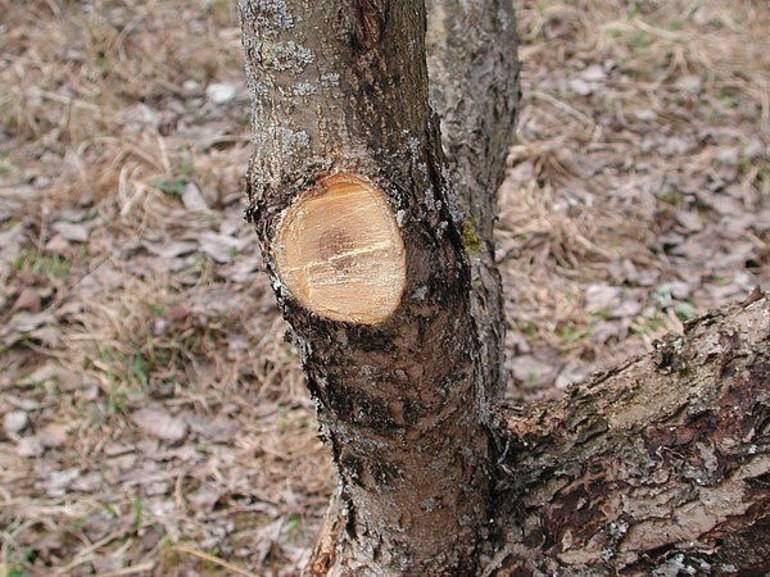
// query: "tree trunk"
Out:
[375,222]
[474,89]
[359,224]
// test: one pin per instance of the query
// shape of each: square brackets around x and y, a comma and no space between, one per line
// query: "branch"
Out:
[662,461]
[474,88]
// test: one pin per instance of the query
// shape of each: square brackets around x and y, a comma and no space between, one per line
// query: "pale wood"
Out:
[339,251]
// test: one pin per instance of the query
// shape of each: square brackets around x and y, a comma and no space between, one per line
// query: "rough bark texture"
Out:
[474,88]
[659,467]
[343,86]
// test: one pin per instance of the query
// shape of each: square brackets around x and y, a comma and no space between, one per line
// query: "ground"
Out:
[154,421]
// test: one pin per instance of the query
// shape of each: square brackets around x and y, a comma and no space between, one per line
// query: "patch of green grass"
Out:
[14,566]
[138,508]
[117,401]
[639,40]
[185,168]
[763,173]
[294,528]
[728,97]
[50,266]
[671,196]
[685,311]
[284,423]
[156,310]
[208,565]
[746,166]
[5,164]
[529,328]
[571,332]
[173,187]
[14,571]
[140,368]
[663,294]
[127,377]
[9,120]
[646,326]
[602,314]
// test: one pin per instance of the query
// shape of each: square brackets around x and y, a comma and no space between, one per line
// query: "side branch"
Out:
[474,89]
[663,463]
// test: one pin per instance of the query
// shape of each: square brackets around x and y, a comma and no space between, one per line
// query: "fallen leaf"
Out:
[221,92]
[11,240]
[218,430]
[59,481]
[71,231]
[172,249]
[581,87]
[601,297]
[15,422]
[57,244]
[53,435]
[531,372]
[159,423]
[28,300]
[594,73]
[30,447]
[193,199]
[220,247]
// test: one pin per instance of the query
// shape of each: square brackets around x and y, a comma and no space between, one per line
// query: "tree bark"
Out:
[474,89]
[657,467]
[340,90]
[375,222]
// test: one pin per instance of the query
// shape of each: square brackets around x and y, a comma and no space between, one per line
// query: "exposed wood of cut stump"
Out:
[339,251]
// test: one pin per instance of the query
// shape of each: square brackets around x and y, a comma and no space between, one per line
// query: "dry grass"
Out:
[638,195]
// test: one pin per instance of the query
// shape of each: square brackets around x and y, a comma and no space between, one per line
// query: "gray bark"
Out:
[474,89]
[657,467]
[343,86]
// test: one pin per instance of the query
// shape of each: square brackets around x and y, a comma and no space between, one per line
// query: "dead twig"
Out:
[215,560]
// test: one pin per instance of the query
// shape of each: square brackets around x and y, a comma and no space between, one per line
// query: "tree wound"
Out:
[340,253]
